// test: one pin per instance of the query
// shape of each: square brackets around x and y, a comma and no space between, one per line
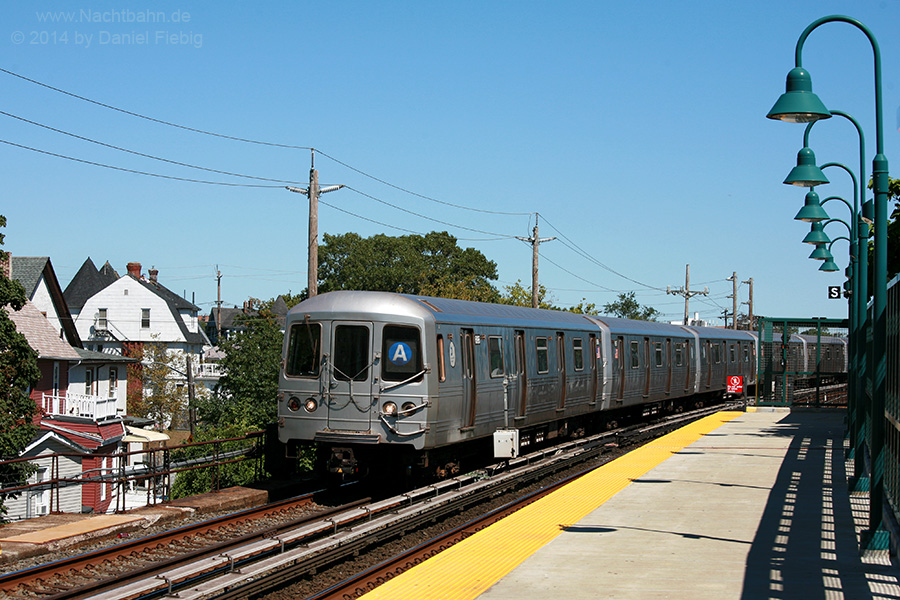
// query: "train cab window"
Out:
[635,355]
[351,353]
[657,350]
[495,356]
[578,354]
[679,355]
[304,344]
[401,353]
[542,354]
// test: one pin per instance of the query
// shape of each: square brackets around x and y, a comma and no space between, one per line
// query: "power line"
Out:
[172,177]
[120,149]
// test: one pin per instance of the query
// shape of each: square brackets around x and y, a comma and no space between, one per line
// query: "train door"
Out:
[620,368]
[594,349]
[709,362]
[521,373]
[561,367]
[689,356]
[470,388]
[350,395]
[668,366]
[646,367]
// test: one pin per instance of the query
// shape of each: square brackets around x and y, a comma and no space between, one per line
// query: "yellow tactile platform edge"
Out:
[470,567]
[58,532]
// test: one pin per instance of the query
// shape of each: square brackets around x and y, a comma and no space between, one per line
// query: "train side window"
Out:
[732,355]
[578,354]
[542,354]
[635,354]
[304,344]
[351,353]
[401,352]
[657,350]
[715,354]
[746,353]
[495,356]
[442,370]
[679,355]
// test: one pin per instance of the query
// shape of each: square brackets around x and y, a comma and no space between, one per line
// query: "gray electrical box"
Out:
[506,443]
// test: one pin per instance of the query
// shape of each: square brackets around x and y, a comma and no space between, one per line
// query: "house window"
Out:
[113,381]
[55,378]
[145,318]
[578,354]
[88,381]
[101,319]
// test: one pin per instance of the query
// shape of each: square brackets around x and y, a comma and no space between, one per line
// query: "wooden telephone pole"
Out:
[535,241]
[313,192]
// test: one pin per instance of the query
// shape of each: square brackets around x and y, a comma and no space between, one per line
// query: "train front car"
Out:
[356,375]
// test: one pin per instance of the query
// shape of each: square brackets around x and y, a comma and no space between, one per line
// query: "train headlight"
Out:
[389,408]
[294,404]
[311,404]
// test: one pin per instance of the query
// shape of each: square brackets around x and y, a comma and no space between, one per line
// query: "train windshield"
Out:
[304,346]
[351,353]
[402,352]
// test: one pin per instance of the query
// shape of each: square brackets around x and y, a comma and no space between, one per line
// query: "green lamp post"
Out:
[800,105]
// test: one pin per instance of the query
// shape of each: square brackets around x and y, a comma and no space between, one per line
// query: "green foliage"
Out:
[584,308]
[163,399]
[405,264]
[200,481]
[518,295]
[627,307]
[18,373]
[247,392]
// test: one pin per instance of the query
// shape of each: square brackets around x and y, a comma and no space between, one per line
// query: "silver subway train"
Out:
[388,381]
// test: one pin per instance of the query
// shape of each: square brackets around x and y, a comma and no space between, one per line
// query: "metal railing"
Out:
[152,470]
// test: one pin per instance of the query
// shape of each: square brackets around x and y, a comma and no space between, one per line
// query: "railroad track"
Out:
[249,564]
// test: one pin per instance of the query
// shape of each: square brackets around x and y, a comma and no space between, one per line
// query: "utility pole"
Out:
[313,192]
[535,241]
[734,299]
[750,304]
[218,304]
[686,292]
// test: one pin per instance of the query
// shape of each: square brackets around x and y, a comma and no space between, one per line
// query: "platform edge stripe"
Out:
[467,569]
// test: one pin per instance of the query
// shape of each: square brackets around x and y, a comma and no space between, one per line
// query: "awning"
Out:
[136,434]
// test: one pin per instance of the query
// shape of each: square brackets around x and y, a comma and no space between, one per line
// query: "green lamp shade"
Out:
[821,253]
[828,265]
[806,173]
[816,235]
[798,104]
[812,211]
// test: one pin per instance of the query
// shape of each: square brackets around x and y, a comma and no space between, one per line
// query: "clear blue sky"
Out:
[636,130]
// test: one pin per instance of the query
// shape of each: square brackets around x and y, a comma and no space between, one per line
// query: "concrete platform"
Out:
[757,507]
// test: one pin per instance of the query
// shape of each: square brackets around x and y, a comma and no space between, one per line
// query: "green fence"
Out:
[802,362]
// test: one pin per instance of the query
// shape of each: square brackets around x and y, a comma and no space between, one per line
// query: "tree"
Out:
[627,307]
[18,373]
[893,239]
[406,264]
[165,397]
[518,295]
[247,394]
[584,308]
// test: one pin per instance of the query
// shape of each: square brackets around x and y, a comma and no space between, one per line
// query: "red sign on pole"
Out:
[735,384]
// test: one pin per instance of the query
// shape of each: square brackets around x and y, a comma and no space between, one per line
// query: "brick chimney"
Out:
[154,273]
[134,269]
